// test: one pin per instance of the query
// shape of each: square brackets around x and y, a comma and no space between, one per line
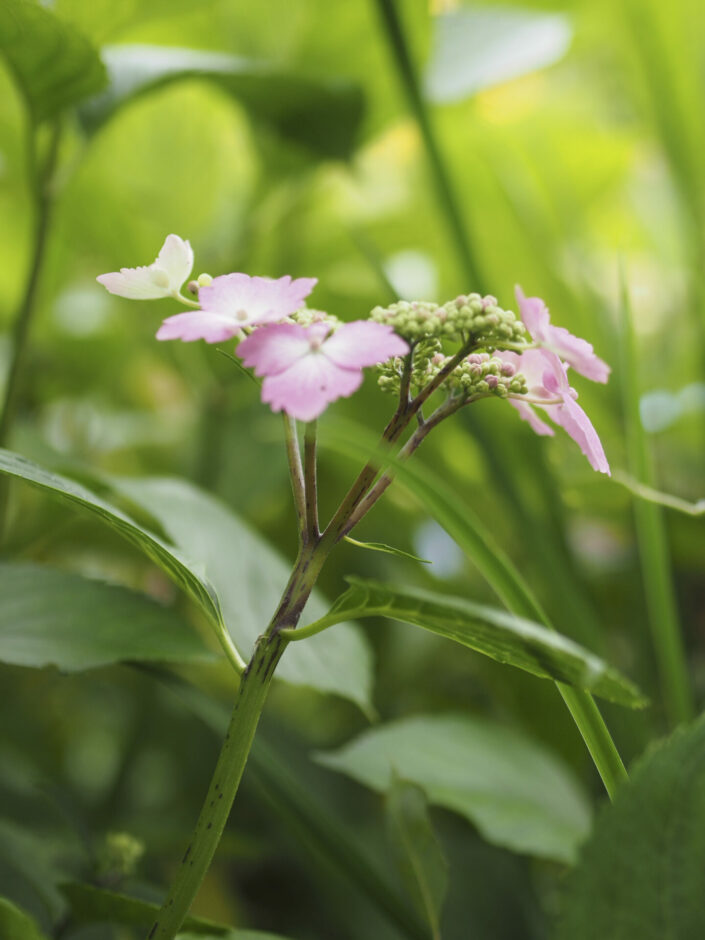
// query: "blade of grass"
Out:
[651,538]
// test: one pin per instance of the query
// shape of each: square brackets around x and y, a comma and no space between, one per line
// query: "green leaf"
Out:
[417,849]
[54,65]
[50,617]
[478,48]
[250,577]
[641,871]
[387,549]
[517,793]
[165,556]
[498,634]
[16,925]
[91,905]
[322,114]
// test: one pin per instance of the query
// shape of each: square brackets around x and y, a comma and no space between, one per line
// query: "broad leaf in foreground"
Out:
[250,576]
[417,850]
[517,793]
[322,114]
[641,871]
[16,925]
[54,65]
[57,618]
[495,633]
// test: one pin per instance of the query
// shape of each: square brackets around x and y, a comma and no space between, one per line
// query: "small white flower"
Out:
[164,278]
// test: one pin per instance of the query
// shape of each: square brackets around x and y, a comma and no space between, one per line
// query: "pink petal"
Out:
[534,312]
[578,353]
[364,343]
[251,300]
[527,413]
[176,258]
[577,424]
[271,349]
[308,386]
[145,283]
[198,324]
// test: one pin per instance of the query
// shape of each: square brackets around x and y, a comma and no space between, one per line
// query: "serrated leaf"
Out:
[517,793]
[418,852]
[474,49]
[16,925]
[54,65]
[501,635]
[641,871]
[249,576]
[386,549]
[322,114]
[57,618]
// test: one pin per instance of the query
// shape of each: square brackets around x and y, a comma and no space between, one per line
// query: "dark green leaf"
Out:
[517,793]
[387,549]
[641,871]
[16,925]
[323,115]
[417,849]
[495,633]
[250,576]
[50,617]
[54,65]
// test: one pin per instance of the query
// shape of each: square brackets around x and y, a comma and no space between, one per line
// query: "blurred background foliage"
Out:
[573,136]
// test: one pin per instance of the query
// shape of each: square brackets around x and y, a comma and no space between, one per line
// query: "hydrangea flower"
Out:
[577,352]
[163,278]
[547,378]
[234,301]
[306,368]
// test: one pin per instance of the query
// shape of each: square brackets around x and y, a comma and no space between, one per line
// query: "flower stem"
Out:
[196,860]
[296,474]
[310,481]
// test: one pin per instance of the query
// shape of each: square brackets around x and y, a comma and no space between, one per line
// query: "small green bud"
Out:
[204,280]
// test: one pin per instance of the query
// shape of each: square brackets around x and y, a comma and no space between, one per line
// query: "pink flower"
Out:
[306,368]
[547,378]
[234,301]
[577,352]
[163,278]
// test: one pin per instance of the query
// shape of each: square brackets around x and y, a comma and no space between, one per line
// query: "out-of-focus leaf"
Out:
[418,852]
[91,905]
[517,793]
[250,577]
[50,617]
[495,633]
[16,925]
[641,871]
[386,549]
[322,114]
[475,49]
[54,65]
[167,557]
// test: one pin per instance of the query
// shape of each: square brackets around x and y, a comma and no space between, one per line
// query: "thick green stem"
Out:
[596,735]
[197,858]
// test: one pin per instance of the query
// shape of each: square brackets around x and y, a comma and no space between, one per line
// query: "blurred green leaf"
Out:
[475,49]
[51,617]
[54,65]
[650,495]
[517,793]
[165,556]
[498,634]
[641,871]
[322,114]
[418,852]
[250,577]
[386,549]
[16,925]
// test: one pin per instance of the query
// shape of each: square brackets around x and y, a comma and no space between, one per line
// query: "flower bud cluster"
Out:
[480,374]
[305,316]
[467,315]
